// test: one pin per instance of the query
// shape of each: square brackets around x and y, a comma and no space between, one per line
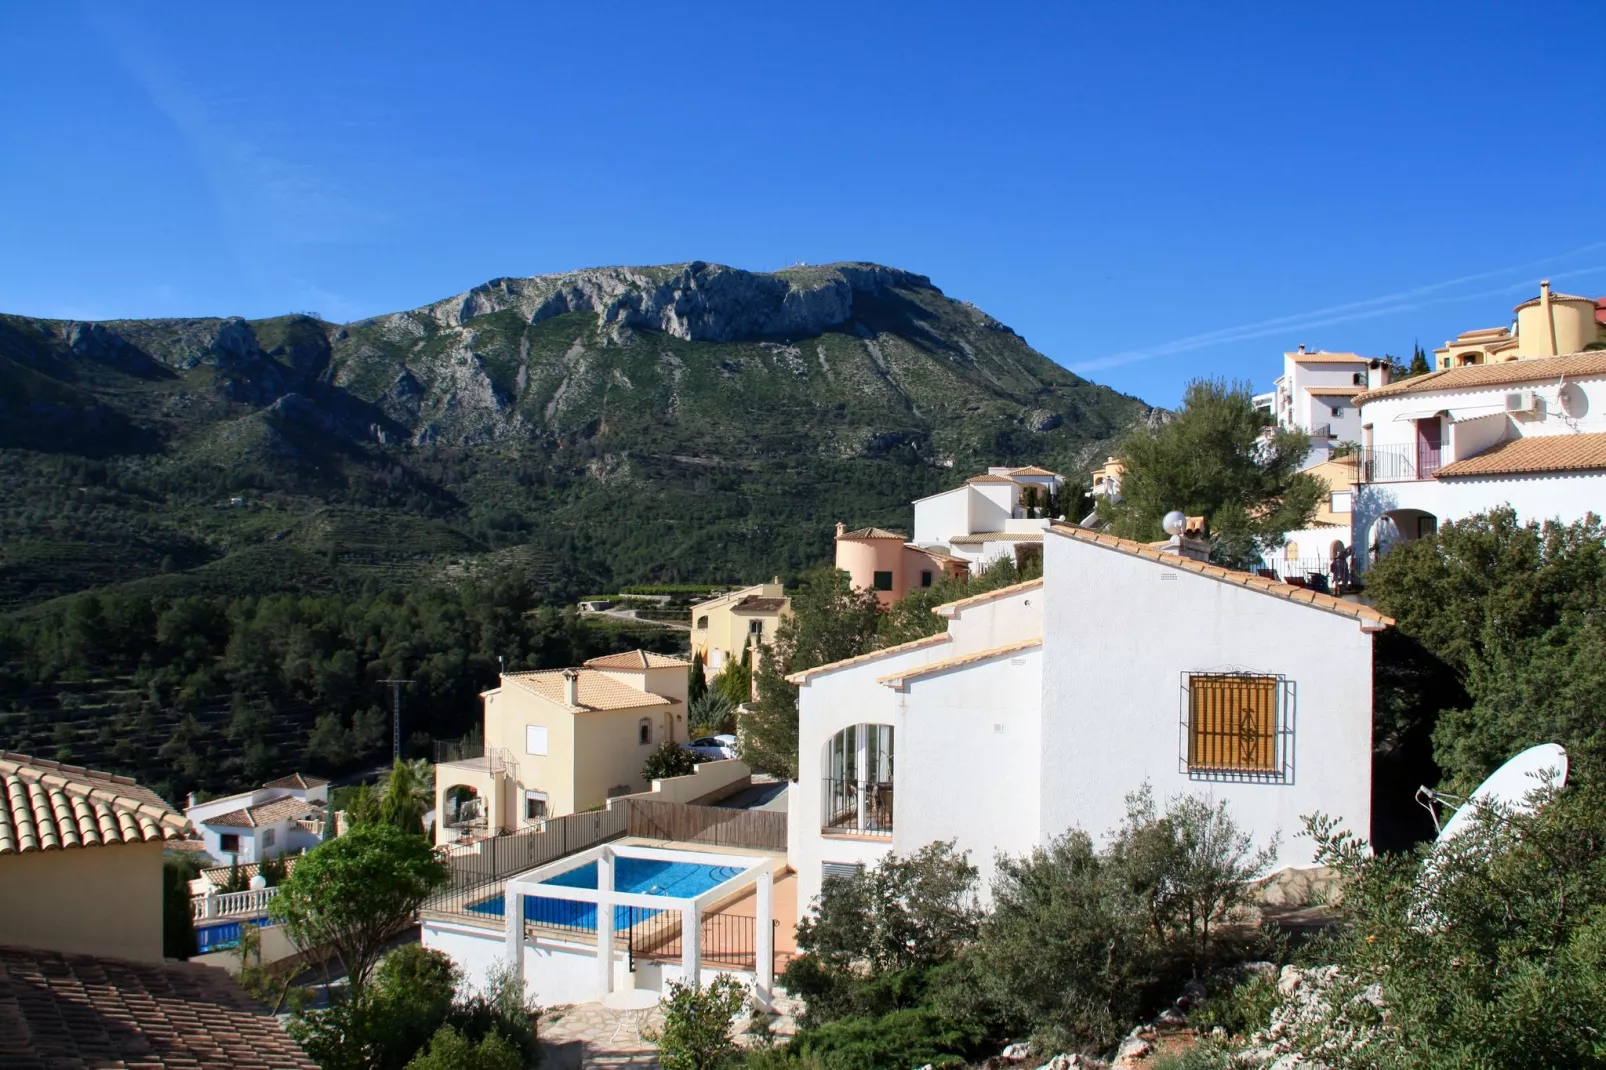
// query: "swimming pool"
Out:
[644,876]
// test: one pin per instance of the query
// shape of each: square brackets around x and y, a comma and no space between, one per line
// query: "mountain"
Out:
[683,422]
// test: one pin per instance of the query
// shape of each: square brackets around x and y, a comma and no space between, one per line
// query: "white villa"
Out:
[1316,394]
[284,816]
[1529,433]
[988,518]
[1044,703]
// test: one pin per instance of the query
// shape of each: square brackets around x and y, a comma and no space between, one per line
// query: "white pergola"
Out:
[755,869]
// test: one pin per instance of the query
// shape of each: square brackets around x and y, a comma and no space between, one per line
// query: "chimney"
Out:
[190,801]
[1192,542]
[571,687]
[841,529]
[1548,315]
[1302,347]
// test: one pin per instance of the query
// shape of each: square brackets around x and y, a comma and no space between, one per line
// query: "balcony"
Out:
[1388,464]
[856,807]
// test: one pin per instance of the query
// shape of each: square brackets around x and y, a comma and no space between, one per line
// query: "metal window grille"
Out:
[1237,727]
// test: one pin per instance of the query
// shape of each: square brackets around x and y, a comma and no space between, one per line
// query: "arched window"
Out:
[702,623]
[644,731]
[1291,551]
[857,790]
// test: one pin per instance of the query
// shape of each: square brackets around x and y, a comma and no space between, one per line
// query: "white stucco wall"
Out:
[991,504]
[966,768]
[554,973]
[942,516]
[1120,632]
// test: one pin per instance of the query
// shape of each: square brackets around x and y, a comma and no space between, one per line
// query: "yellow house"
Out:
[721,628]
[1550,325]
[561,741]
[81,860]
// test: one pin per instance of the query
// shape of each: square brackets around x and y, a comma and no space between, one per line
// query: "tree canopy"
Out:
[1510,612]
[353,893]
[1220,459]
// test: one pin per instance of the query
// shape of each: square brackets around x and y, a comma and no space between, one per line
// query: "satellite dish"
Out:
[1507,788]
[1574,402]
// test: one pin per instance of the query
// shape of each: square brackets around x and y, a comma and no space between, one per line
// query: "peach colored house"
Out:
[561,741]
[721,628]
[888,564]
[1549,325]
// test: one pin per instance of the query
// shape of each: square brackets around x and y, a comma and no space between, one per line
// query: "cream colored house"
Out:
[561,741]
[81,860]
[721,628]
[1550,325]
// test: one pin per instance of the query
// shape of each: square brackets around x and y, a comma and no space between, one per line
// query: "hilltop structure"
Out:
[722,627]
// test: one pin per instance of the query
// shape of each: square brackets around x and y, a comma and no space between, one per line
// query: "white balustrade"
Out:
[232,904]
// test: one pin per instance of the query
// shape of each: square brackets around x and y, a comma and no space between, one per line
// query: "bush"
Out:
[905,1038]
[712,711]
[1487,952]
[669,760]
[697,1024]
[450,1050]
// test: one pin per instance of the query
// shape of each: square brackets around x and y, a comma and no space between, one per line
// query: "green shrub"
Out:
[905,1038]
[669,760]
[696,1033]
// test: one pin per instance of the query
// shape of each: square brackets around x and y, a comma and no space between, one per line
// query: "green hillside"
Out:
[680,423]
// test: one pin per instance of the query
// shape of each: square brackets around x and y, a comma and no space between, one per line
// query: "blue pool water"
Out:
[645,876]
[224,936]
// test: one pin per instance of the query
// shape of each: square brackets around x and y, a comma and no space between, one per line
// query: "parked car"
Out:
[713,748]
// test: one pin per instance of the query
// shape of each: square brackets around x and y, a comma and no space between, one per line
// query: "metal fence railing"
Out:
[857,806]
[478,869]
[726,940]
[1386,464]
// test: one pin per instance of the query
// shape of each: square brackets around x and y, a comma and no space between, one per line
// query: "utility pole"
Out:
[395,716]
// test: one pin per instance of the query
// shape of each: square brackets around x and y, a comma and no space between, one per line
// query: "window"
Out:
[535,739]
[229,843]
[1236,726]
[1426,525]
[644,731]
[840,869]
[268,836]
[702,624]
[755,627]
[925,578]
[1339,501]
[535,806]
[1291,551]
[883,581]
[857,796]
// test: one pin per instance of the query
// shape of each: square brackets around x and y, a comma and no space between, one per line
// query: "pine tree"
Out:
[696,681]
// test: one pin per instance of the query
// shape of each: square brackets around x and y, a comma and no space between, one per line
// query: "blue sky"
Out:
[1146,192]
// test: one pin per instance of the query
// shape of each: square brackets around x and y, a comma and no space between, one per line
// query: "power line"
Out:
[395,716]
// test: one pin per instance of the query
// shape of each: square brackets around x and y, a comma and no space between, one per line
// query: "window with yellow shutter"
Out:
[1237,726]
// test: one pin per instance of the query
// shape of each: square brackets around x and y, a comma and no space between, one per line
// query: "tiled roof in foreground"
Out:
[1539,453]
[47,806]
[914,672]
[1370,618]
[297,780]
[948,609]
[76,1012]
[1537,369]
[806,675]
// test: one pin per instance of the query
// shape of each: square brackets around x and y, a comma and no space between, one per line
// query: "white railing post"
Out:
[764,940]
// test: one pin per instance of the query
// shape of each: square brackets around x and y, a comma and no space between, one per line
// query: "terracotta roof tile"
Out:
[217,875]
[806,675]
[755,604]
[980,537]
[1334,391]
[1539,453]
[74,1012]
[269,813]
[871,533]
[1369,617]
[47,806]
[988,477]
[596,690]
[1032,470]
[297,780]
[637,659]
[1592,363]
[1319,357]
[914,672]
[949,609]
[1534,301]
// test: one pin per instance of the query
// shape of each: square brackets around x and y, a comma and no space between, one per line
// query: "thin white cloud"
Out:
[1370,308]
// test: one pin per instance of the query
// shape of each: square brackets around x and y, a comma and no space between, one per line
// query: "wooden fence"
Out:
[759,830]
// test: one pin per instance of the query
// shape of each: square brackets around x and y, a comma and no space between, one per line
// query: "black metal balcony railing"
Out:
[858,806]
[459,750]
[1387,464]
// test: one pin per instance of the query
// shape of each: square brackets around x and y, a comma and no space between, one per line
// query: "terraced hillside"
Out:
[690,422]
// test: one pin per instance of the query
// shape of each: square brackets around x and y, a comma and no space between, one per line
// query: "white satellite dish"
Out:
[1507,788]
